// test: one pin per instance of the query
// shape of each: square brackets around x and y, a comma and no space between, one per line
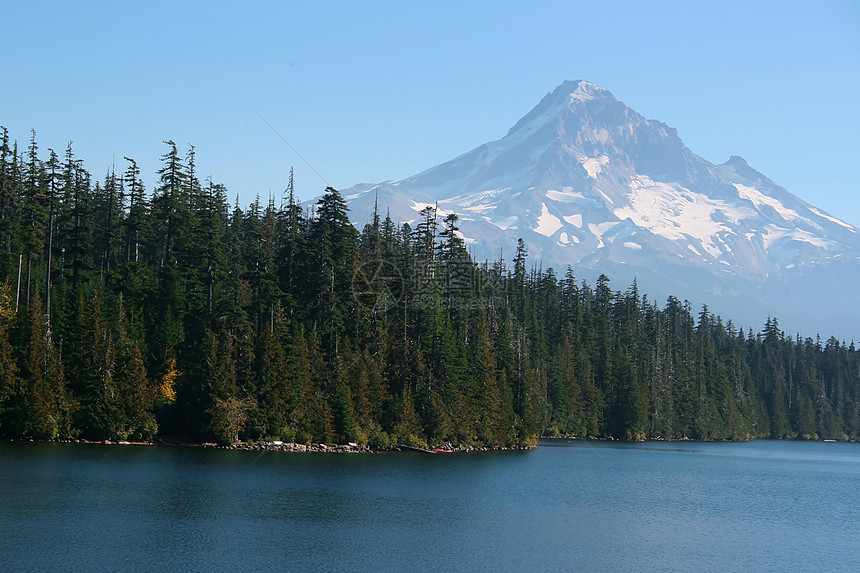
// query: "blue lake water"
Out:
[566,506]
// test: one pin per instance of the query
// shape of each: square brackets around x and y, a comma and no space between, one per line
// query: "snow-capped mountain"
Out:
[590,183]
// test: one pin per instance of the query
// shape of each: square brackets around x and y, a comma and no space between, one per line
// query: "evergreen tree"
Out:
[131,315]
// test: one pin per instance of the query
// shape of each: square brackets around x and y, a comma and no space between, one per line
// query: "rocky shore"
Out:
[279,446]
[350,448]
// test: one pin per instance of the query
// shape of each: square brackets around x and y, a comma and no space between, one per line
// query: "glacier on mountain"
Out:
[589,183]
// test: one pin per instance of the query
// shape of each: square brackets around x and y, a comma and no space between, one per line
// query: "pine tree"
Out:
[137,393]
[273,384]
[135,221]
[8,201]
[10,383]
[334,240]
[130,315]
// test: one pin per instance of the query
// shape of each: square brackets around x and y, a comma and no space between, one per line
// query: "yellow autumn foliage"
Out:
[7,312]
[167,387]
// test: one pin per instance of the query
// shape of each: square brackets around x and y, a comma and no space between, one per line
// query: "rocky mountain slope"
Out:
[590,183]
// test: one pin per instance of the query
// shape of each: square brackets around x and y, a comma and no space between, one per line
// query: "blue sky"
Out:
[369,91]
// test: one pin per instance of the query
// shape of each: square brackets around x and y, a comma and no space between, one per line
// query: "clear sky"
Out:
[369,91]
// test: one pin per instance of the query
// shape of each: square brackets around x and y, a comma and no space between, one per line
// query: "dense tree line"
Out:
[126,313]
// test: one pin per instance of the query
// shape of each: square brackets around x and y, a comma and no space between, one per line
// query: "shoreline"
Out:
[353,448]
[274,446]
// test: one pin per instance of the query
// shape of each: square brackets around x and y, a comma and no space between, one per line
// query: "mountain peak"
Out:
[589,183]
[582,90]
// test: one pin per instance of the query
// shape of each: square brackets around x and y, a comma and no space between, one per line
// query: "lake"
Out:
[566,506]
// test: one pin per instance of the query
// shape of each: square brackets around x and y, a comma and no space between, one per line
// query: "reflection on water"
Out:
[569,505]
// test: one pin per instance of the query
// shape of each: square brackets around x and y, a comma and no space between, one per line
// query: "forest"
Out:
[128,314]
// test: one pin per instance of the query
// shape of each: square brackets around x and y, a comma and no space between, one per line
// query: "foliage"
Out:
[124,314]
